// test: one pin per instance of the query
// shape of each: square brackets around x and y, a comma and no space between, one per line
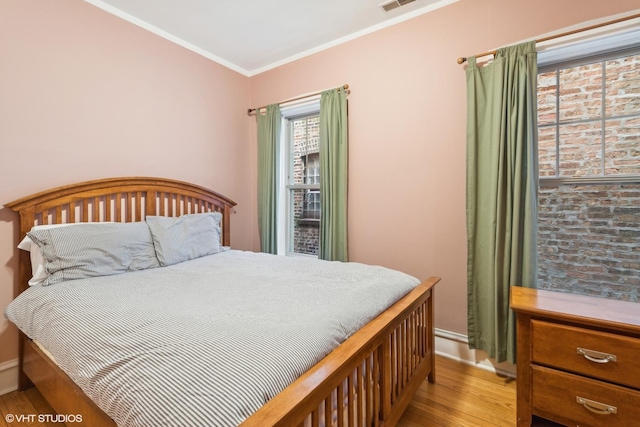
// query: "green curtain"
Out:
[333,175]
[501,193]
[268,141]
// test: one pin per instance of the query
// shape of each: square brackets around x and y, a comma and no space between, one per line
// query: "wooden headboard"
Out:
[127,199]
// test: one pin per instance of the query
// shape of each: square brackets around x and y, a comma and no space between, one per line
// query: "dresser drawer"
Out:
[609,357]
[577,401]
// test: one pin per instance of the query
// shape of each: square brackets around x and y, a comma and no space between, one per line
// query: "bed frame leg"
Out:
[23,380]
[431,377]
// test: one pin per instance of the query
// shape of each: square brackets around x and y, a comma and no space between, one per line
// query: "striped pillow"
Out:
[186,237]
[38,272]
[87,250]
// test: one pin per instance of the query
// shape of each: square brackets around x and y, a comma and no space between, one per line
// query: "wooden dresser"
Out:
[578,359]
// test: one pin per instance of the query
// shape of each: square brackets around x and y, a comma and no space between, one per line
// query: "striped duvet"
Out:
[204,342]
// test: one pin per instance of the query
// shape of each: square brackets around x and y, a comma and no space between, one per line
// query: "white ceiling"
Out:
[252,36]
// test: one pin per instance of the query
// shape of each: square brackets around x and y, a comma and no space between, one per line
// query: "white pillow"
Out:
[38,271]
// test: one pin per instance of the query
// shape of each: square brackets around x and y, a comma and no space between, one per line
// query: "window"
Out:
[589,174]
[300,195]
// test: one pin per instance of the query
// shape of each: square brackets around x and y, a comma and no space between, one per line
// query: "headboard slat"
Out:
[95,215]
[151,205]
[118,216]
[161,201]
[138,206]
[127,207]
[107,207]
[85,211]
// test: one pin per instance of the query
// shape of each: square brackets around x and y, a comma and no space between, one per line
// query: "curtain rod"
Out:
[462,60]
[253,110]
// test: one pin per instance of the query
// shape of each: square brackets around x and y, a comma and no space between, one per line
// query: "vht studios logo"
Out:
[43,418]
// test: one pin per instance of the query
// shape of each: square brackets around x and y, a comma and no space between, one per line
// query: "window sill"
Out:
[308,221]
[595,180]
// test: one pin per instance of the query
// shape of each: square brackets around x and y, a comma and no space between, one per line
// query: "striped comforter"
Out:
[204,342]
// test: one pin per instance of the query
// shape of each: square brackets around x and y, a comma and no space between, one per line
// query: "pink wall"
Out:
[407,116]
[86,95]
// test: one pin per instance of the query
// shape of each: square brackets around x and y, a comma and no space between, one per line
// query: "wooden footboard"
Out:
[368,380]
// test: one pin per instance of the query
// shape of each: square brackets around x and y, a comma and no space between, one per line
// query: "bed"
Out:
[367,380]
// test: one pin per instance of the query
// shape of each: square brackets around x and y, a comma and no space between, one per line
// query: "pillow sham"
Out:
[91,250]
[186,237]
[37,261]
[38,273]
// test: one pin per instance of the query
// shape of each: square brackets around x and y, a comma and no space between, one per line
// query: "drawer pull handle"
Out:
[597,407]
[597,356]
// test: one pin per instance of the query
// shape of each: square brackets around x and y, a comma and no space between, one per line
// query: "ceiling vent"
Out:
[394,4]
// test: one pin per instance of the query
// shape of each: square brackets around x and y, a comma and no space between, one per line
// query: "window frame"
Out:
[307,108]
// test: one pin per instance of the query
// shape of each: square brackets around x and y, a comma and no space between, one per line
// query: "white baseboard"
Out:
[456,346]
[9,371]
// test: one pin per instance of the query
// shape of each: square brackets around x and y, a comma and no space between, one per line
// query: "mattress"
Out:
[203,342]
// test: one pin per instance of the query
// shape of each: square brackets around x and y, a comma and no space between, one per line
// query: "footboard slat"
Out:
[350,411]
[376,390]
[368,392]
[372,375]
[340,401]
[360,395]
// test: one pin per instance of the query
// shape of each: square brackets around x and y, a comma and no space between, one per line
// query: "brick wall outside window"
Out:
[306,142]
[589,234]
[589,240]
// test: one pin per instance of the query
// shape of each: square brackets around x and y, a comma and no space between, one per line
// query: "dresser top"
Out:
[602,312]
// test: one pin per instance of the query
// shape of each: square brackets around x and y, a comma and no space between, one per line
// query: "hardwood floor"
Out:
[29,405]
[462,396]
[465,396]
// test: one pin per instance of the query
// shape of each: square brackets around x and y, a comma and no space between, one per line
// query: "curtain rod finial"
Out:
[462,60]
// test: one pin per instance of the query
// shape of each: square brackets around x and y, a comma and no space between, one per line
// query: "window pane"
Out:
[312,169]
[580,150]
[306,140]
[581,92]
[299,150]
[547,151]
[623,86]
[547,94]
[311,205]
[588,240]
[622,146]
[306,221]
